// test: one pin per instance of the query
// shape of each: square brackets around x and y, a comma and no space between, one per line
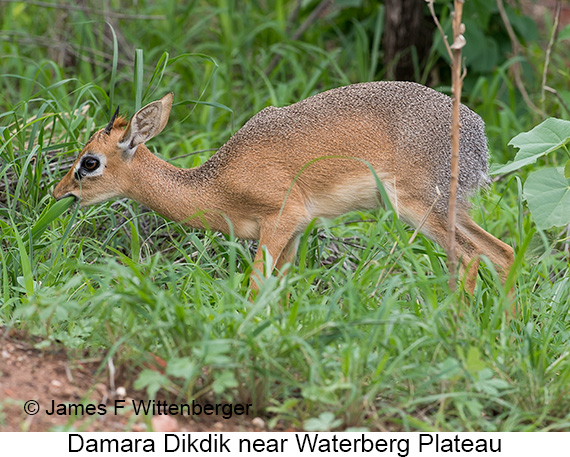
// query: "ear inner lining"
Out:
[146,123]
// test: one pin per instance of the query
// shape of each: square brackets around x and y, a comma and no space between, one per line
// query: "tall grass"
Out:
[364,326]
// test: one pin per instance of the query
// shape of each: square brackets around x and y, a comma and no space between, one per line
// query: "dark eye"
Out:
[90,163]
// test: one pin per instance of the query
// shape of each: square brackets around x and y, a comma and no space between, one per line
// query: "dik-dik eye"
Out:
[90,163]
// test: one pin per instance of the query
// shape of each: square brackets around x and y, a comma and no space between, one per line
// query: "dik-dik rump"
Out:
[287,166]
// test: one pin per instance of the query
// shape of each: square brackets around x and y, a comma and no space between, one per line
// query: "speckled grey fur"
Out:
[415,117]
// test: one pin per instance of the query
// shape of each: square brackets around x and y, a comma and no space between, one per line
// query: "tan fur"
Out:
[312,159]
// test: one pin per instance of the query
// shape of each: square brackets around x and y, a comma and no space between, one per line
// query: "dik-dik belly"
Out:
[341,197]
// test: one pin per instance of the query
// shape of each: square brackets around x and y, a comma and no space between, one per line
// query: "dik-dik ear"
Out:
[146,124]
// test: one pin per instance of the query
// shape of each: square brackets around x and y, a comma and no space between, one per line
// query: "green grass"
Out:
[364,326]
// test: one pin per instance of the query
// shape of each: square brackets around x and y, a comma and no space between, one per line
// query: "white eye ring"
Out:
[81,171]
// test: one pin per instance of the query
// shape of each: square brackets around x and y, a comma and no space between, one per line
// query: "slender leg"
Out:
[280,242]
[469,255]
[287,256]
[472,242]
[501,254]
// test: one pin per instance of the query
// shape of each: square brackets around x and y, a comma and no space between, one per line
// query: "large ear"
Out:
[146,123]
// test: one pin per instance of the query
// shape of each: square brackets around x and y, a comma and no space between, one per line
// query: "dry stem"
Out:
[548,52]
[516,67]
[457,82]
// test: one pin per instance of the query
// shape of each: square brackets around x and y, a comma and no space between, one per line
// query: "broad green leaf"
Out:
[325,422]
[225,380]
[547,193]
[567,169]
[544,138]
[474,362]
[181,367]
[152,381]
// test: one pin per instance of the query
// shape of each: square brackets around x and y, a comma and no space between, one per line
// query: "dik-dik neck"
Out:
[178,194]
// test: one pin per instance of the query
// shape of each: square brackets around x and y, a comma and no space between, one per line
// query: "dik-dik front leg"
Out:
[274,244]
[279,235]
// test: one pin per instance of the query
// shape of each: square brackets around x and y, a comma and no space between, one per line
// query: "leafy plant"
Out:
[325,423]
[547,190]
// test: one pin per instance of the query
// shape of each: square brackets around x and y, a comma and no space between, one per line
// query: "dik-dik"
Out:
[287,166]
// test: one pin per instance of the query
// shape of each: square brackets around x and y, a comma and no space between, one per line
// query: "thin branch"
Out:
[560,99]
[516,67]
[553,38]
[321,7]
[440,28]
[293,16]
[457,82]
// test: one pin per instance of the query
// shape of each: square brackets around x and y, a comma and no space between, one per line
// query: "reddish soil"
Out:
[50,375]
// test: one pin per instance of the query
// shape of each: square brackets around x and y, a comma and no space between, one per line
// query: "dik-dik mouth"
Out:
[69,194]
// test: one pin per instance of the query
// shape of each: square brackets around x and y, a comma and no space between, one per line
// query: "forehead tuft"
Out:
[101,137]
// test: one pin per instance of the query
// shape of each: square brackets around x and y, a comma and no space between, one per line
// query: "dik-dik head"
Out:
[105,164]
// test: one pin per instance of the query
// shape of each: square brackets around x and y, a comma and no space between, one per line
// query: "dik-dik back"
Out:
[289,165]
[402,129]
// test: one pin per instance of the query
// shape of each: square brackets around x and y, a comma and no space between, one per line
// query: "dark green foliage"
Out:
[365,326]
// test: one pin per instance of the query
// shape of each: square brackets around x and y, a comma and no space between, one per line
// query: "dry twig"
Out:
[439,27]
[457,75]
[548,52]
[516,67]
[457,83]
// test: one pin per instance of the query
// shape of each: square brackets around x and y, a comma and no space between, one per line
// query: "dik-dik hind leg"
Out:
[288,255]
[471,241]
[469,257]
[501,254]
